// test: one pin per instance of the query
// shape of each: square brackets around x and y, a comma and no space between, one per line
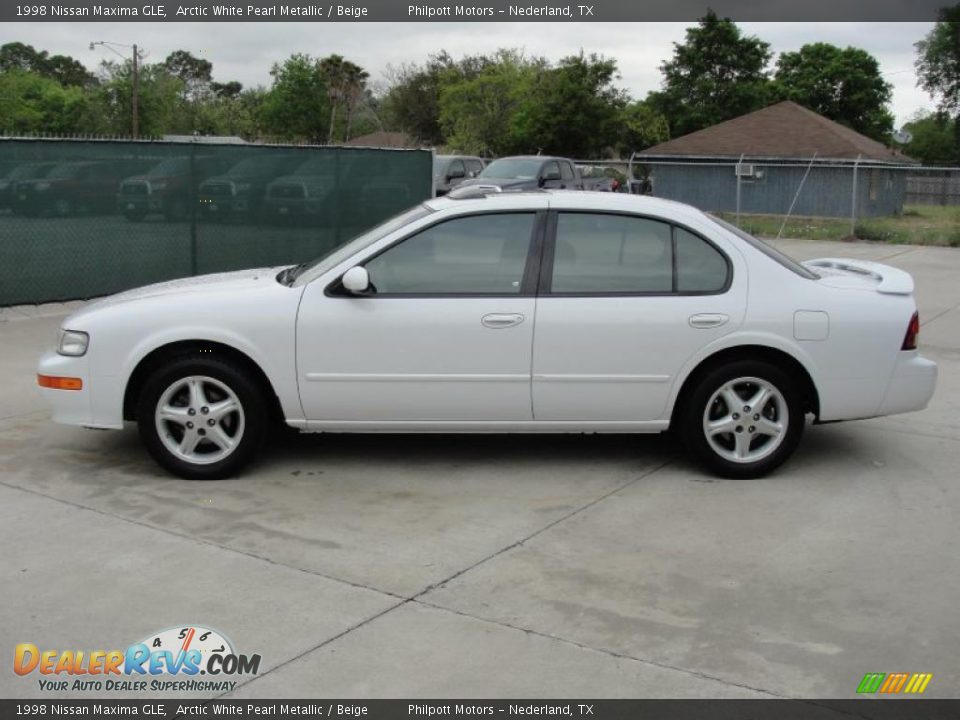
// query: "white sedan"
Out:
[503,312]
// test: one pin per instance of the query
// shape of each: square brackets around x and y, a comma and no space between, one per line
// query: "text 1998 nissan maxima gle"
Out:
[505,312]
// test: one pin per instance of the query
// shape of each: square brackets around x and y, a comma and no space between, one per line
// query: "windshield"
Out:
[253,166]
[338,254]
[171,166]
[317,166]
[64,171]
[29,172]
[512,168]
[768,250]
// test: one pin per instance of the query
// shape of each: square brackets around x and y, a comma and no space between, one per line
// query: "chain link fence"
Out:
[82,218]
[816,198]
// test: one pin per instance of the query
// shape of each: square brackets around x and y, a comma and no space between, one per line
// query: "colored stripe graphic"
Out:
[871,683]
[908,683]
[893,683]
[918,683]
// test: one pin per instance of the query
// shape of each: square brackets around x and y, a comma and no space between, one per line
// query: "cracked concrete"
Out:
[417,566]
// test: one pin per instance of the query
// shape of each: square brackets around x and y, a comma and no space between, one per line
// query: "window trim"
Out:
[544,289]
[528,280]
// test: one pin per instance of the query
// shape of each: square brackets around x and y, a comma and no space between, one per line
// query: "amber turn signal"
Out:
[59,383]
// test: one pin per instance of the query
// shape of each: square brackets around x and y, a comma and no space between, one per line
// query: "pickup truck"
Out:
[529,172]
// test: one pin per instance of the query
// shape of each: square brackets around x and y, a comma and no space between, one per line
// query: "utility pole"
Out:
[136,95]
[134,80]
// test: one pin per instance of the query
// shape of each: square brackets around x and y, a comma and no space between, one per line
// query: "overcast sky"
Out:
[244,51]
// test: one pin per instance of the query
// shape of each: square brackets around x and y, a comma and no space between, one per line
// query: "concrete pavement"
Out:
[491,566]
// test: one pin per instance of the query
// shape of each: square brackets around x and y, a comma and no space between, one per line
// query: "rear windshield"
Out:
[512,168]
[768,250]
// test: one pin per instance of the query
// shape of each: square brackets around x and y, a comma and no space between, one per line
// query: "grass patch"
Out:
[917,225]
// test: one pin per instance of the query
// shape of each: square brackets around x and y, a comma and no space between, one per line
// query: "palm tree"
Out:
[332,71]
[355,85]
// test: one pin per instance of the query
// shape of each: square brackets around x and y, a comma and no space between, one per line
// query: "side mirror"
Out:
[541,181]
[356,280]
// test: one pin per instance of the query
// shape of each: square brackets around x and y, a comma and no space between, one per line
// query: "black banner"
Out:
[872,709]
[469,11]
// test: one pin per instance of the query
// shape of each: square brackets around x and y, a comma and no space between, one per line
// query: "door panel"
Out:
[395,359]
[615,358]
[445,335]
[613,329]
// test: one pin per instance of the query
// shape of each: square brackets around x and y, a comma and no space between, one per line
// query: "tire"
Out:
[195,392]
[63,208]
[743,442]
[176,210]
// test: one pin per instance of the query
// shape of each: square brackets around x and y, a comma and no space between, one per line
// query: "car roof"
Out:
[565,200]
[530,157]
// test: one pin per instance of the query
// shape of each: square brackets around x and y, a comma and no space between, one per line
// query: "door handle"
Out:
[703,321]
[496,321]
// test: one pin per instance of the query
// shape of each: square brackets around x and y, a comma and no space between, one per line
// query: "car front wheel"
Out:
[743,419]
[202,418]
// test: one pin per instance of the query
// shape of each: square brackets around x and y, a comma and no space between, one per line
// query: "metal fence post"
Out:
[194,201]
[854,199]
[736,171]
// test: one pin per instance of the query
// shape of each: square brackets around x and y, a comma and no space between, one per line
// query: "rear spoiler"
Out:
[891,281]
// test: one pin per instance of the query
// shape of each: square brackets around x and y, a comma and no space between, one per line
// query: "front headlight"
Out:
[73,343]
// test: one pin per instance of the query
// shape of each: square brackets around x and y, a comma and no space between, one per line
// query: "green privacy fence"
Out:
[81,218]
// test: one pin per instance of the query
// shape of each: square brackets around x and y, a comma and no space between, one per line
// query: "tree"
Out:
[62,68]
[478,113]
[934,139]
[297,105]
[938,65]
[346,83]
[230,89]
[33,104]
[412,102]
[716,74]
[160,99]
[641,127]
[844,85]
[195,74]
[573,109]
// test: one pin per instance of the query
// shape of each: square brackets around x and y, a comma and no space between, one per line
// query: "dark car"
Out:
[27,171]
[87,186]
[240,190]
[529,173]
[309,193]
[451,170]
[166,188]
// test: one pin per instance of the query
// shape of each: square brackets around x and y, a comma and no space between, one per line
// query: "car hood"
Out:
[216,284]
[233,178]
[500,182]
[150,178]
[305,179]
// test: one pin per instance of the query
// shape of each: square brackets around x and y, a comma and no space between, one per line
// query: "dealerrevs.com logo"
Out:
[170,660]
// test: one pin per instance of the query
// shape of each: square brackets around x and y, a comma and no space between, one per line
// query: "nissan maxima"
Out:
[497,312]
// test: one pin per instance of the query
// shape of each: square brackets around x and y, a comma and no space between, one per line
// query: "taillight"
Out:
[913,331]
[616,184]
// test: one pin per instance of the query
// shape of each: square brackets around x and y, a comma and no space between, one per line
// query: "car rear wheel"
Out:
[63,207]
[202,418]
[743,420]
